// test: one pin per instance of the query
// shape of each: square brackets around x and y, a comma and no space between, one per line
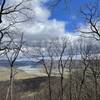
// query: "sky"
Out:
[46,23]
[70,15]
[49,23]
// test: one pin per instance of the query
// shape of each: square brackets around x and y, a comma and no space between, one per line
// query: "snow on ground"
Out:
[33,71]
[36,72]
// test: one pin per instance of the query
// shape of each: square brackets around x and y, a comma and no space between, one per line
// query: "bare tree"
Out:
[95,71]
[63,58]
[85,54]
[12,14]
[46,54]
[91,16]
[8,9]
[70,54]
[12,53]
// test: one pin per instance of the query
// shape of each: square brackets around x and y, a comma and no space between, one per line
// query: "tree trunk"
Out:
[11,83]
[70,91]
[95,83]
[50,92]
[62,88]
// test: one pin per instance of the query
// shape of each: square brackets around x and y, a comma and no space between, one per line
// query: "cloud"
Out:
[39,27]
[46,30]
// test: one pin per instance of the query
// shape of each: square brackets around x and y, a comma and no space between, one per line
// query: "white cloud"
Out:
[41,13]
[40,27]
[46,30]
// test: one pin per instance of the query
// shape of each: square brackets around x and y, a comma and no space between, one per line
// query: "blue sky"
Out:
[71,15]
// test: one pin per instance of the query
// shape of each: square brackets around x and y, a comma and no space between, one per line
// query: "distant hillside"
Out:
[19,63]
